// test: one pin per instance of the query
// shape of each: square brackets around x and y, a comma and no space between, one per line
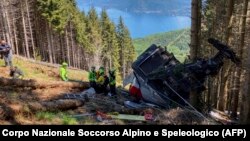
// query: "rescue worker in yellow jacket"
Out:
[102,81]
[64,71]
[92,77]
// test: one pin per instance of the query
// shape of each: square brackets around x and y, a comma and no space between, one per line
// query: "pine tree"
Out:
[115,50]
[127,50]
[94,36]
[245,100]
[110,45]
[79,21]
[57,12]
[131,55]
[239,70]
[106,36]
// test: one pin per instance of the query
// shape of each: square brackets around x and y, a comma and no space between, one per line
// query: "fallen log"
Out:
[56,105]
[5,112]
[2,113]
[221,117]
[34,84]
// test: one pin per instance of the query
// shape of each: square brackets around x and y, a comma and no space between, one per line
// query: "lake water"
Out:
[141,25]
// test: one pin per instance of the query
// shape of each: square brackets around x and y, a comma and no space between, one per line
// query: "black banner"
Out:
[133,132]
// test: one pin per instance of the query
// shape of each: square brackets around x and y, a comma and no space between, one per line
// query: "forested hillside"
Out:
[175,42]
[228,21]
[56,30]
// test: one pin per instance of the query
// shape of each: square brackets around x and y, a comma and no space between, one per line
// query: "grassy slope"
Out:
[14,97]
[41,72]
[175,41]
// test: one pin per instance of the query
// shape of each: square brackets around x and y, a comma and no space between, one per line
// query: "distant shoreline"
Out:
[142,23]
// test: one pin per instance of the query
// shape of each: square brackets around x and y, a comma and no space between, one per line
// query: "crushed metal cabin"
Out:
[164,81]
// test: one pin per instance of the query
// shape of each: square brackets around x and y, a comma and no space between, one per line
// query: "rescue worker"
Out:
[6,51]
[64,72]
[112,82]
[99,80]
[16,73]
[102,81]
[101,71]
[105,85]
[92,77]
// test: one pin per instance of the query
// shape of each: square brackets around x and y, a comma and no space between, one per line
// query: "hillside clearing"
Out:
[25,106]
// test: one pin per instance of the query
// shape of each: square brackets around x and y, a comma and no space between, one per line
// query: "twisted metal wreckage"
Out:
[163,80]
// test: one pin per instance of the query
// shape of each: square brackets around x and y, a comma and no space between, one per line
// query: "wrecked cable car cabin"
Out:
[157,85]
[165,82]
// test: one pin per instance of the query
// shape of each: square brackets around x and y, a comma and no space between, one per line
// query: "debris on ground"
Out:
[26,105]
[221,117]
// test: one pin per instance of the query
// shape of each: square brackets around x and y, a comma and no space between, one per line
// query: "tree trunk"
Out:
[41,84]
[195,29]
[67,46]
[195,41]
[123,64]
[26,43]
[30,28]
[73,52]
[49,45]
[239,70]
[48,106]
[16,46]
[229,18]
[56,105]
[229,95]
[226,68]
[7,22]
[223,87]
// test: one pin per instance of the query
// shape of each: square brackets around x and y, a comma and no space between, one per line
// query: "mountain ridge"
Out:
[175,41]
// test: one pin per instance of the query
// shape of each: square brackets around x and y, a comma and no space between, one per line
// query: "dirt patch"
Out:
[51,72]
[5,72]
[180,116]
[21,110]
[19,104]
[52,93]
[14,102]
